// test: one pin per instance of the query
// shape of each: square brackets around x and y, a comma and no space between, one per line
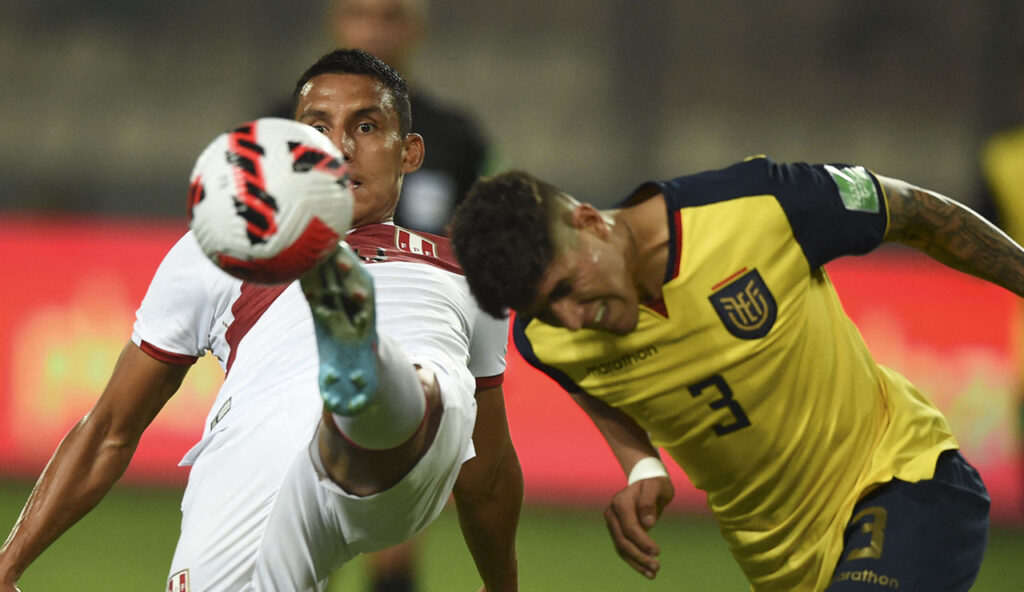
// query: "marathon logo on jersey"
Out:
[745,305]
[179,582]
[624,362]
[411,242]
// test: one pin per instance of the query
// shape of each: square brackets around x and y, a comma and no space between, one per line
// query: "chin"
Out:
[626,326]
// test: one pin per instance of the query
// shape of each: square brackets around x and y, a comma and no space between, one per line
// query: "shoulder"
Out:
[753,175]
[185,264]
[831,209]
[792,184]
[186,249]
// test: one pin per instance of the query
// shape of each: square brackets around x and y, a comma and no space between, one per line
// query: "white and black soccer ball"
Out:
[269,200]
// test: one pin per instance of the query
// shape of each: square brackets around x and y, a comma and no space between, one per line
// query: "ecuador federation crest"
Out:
[745,305]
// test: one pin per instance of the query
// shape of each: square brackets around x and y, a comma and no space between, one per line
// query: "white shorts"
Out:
[293,534]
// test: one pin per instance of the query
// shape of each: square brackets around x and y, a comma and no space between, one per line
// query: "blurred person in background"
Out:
[698,317]
[1002,166]
[458,150]
[1002,174]
[456,156]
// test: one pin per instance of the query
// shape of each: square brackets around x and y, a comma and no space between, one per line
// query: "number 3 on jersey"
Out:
[717,384]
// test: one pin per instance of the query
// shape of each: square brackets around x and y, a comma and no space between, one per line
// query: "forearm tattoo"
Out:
[956,236]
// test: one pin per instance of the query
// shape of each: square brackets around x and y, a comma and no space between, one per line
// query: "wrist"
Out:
[646,468]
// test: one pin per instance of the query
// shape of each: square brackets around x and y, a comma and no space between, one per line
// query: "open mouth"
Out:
[602,310]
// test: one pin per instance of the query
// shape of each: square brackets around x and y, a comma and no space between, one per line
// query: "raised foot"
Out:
[341,298]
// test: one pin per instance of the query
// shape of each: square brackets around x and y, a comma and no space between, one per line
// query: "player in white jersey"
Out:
[284,487]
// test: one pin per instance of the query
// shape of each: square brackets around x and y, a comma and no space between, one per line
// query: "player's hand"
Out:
[632,512]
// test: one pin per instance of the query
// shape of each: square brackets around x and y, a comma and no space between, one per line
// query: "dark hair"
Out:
[502,238]
[357,61]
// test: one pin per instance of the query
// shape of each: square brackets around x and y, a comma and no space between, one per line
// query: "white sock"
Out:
[397,409]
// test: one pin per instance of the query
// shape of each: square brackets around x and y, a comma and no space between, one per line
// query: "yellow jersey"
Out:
[748,372]
[1002,163]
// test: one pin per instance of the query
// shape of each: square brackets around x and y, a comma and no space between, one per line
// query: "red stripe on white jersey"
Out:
[166,356]
[490,381]
[253,301]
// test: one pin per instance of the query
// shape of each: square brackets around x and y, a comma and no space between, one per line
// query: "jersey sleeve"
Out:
[525,348]
[488,349]
[833,209]
[173,322]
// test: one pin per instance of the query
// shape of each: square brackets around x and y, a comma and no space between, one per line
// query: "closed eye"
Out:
[561,290]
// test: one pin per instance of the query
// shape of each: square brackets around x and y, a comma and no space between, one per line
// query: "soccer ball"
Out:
[269,200]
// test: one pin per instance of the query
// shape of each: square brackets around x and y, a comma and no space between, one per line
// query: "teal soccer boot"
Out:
[340,295]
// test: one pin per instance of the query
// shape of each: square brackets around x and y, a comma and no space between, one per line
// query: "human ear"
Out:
[413,153]
[586,216]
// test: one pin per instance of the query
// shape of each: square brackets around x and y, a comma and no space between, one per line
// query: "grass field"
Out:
[126,544]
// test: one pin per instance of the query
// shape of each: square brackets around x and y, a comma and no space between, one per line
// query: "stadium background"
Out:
[107,105]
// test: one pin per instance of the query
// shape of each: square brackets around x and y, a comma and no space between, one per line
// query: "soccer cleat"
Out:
[340,295]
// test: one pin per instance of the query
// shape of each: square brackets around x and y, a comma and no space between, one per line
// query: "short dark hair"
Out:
[357,61]
[502,238]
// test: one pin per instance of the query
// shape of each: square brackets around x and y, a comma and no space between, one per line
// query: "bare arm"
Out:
[952,234]
[637,507]
[92,457]
[489,495]
[628,441]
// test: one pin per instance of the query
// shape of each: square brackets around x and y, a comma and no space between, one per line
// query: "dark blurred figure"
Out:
[456,150]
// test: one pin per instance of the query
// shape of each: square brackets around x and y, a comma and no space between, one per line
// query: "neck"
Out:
[645,238]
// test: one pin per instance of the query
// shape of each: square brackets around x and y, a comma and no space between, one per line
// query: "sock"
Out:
[397,409]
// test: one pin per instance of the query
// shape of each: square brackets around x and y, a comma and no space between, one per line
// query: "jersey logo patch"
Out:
[414,243]
[746,306]
[856,188]
[179,582]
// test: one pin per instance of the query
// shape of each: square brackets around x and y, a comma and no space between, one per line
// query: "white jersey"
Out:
[269,406]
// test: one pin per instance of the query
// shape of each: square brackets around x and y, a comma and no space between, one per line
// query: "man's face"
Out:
[357,114]
[387,29]
[587,285]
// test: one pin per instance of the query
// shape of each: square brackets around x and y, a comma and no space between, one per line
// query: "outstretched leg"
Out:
[376,402]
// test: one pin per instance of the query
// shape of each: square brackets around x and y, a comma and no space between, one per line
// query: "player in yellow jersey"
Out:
[697,317]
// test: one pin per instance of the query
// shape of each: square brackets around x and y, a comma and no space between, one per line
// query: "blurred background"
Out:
[106,105]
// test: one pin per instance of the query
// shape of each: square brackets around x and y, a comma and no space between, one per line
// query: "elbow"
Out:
[479,483]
